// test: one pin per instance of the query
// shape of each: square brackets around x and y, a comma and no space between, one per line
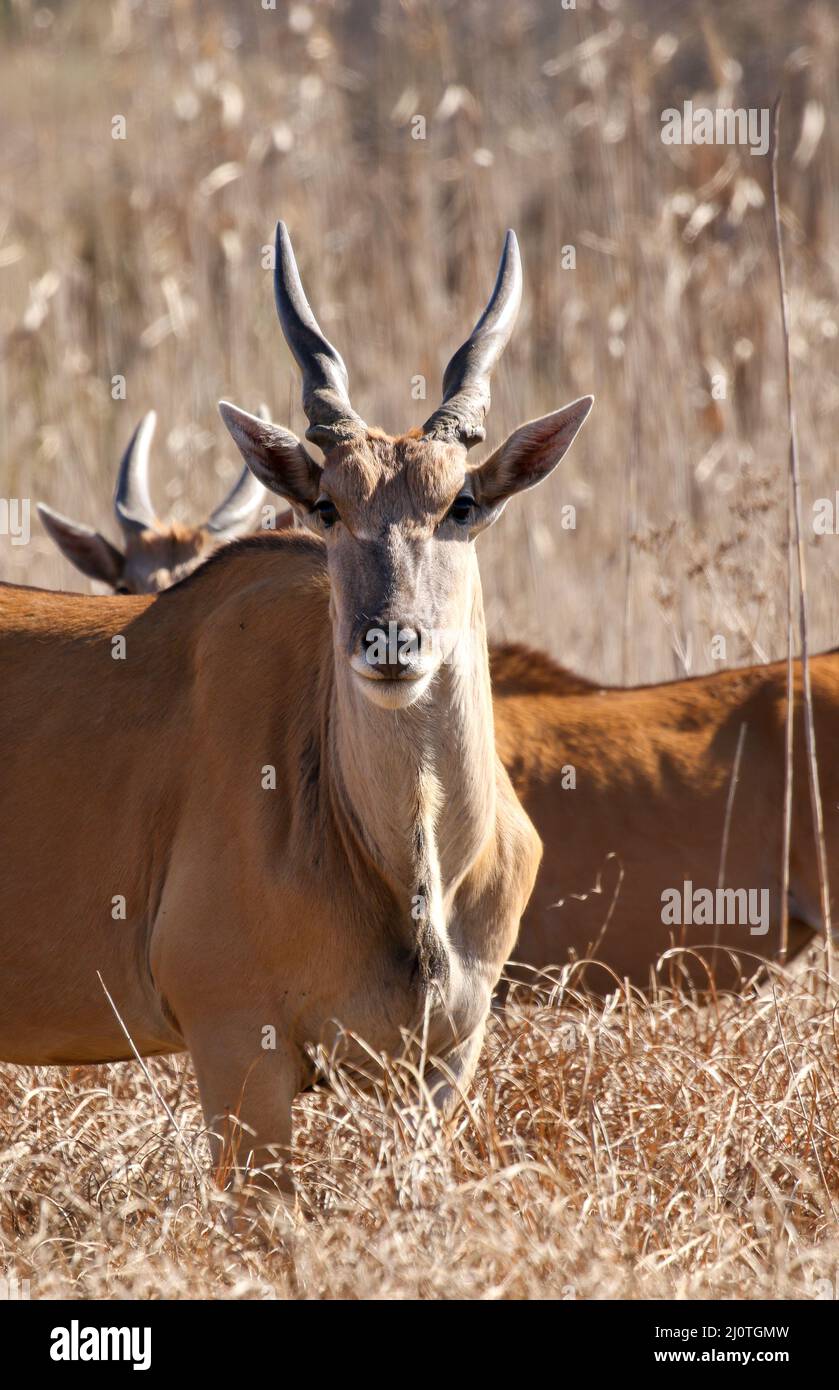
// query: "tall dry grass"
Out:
[617,1148]
[632,1148]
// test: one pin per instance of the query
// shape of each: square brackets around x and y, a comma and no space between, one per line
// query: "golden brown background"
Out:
[143,257]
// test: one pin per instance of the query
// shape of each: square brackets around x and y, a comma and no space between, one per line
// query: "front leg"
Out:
[247,1086]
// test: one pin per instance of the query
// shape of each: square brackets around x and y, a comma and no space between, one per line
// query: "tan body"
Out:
[653,769]
[246,908]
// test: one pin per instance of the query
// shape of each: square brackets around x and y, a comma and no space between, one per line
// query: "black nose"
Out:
[390,649]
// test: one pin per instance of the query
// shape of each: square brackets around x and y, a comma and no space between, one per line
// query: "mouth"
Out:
[392,692]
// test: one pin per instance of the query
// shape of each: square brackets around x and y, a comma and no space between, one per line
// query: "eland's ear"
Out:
[275,456]
[83,547]
[529,455]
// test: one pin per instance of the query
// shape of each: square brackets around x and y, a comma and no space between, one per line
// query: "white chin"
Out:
[393,694]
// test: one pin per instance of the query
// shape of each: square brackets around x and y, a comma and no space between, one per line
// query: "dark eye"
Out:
[461,510]
[327,511]
[121,589]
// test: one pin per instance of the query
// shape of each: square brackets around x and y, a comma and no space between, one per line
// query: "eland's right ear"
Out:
[83,547]
[275,456]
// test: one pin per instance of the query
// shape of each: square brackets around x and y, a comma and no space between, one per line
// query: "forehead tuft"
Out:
[434,471]
[171,546]
[179,534]
[427,471]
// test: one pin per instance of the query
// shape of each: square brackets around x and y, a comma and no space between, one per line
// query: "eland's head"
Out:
[399,515]
[154,554]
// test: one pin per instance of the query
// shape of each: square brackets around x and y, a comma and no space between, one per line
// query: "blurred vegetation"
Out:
[143,257]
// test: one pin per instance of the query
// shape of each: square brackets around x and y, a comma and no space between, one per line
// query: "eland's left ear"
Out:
[530,454]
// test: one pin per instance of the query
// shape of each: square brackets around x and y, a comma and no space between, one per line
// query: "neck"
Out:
[418,784]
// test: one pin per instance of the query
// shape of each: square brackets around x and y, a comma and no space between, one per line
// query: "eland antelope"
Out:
[628,791]
[154,555]
[238,810]
[646,796]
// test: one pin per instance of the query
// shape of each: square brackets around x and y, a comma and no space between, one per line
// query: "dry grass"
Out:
[624,1149]
[629,1149]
